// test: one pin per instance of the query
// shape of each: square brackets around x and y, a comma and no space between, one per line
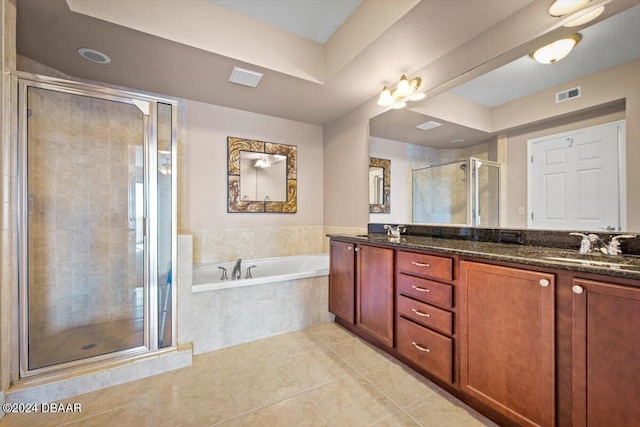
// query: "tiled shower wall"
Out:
[80,151]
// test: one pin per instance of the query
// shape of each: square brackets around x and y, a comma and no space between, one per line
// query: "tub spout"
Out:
[236,274]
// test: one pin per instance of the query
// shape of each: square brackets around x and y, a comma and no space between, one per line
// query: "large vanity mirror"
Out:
[528,145]
[262,176]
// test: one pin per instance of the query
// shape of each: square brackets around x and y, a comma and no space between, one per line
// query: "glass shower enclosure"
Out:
[463,192]
[97,223]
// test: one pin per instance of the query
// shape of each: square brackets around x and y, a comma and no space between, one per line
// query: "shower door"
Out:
[90,223]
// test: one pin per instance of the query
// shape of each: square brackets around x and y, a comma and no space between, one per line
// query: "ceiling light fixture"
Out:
[557,50]
[406,90]
[585,17]
[94,55]
[565,7]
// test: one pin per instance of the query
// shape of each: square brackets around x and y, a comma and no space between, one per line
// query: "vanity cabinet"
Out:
[361,288]
[424,312]
[507,340]
[606,354]
[374,292]
[342,280]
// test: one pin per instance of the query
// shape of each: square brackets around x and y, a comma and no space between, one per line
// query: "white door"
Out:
[574,179]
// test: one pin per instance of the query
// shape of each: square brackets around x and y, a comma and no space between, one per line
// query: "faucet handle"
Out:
[224,274]
[248,275]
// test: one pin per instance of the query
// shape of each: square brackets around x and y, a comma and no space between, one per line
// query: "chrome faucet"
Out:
[394,231]
[236,273]
[611,248]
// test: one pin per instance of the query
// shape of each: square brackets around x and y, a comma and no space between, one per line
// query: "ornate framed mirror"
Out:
[379,185]
[261,176]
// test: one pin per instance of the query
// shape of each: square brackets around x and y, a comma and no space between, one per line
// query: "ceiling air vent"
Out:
[566,95]
[245,77]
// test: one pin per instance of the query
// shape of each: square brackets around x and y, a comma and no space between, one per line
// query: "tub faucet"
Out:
[236,274]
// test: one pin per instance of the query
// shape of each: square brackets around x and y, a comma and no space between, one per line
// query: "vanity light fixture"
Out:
[406,90]
[557,50]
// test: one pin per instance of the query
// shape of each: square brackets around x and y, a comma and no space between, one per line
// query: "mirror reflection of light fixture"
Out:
[565,7]
[557,50]
[261,163]
[585,17]
[405,91]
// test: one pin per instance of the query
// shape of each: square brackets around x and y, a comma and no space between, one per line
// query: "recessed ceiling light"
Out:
[94,55]
[457,141]
[428,125]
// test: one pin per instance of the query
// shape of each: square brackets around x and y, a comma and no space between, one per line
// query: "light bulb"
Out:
[385,97]
[416,96]
[399,105]
[565,7]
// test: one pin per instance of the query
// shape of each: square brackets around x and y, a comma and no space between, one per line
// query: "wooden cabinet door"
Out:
[342,280]
[606,355]
[507,341]
[375,292]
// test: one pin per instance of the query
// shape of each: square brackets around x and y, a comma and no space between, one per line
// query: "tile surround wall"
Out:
[217,319]
[229,244]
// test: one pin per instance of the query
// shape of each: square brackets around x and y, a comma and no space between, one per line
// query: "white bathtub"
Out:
[206,277]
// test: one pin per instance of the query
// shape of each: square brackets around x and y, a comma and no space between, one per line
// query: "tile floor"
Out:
[321,376]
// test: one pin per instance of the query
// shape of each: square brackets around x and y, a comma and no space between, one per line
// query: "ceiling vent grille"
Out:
[566,95]
[245,77]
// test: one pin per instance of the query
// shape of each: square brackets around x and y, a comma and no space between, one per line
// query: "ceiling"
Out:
[181,58]
[314,19]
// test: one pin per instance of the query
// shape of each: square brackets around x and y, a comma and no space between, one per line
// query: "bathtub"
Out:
[206,276]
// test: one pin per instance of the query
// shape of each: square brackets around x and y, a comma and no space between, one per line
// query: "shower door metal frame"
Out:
[474,164]
[23,81]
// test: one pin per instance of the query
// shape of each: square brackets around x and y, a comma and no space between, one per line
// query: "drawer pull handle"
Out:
[420,313]
[418,288]
[419,347]
[420,264]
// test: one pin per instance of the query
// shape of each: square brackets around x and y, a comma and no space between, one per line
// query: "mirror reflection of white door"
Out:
[575,179]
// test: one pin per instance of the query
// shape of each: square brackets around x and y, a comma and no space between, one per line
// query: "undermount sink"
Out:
[594,263]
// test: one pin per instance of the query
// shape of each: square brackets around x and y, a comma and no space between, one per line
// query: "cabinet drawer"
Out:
[429,350]
[425,314]
[425,290]
[425,265]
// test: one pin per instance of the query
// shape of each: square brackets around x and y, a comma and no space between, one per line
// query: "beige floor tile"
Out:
[138,415]
[359,354]
[262,385]
[317,367]
[135,392]
[199,405]
[294,411]
[330,333]
[399,419]
[32,420]
[234,422]
[443,410]
[294,343]
[239,358]
[351,400]
[401,384]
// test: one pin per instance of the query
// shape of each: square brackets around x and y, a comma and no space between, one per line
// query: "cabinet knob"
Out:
[349,247]
[577,289]
[544,282]
[357,249]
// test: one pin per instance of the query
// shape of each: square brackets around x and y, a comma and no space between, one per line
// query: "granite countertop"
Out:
[627,267]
